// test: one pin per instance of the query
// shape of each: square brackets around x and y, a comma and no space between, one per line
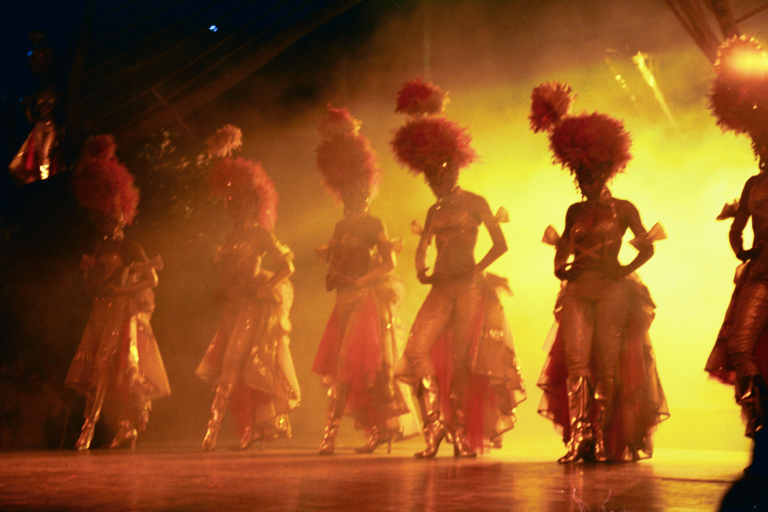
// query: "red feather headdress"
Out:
[338,121]
[345,158]
[739,95]
[104,185]
[418,97]
[239,179]
[550,103]
[226,140]
[594,144]
[102,147]
[427,143]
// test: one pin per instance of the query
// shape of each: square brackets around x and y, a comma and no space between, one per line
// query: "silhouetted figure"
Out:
[118,360]
[249,361]
[600,381]
[459,358]
[359,346]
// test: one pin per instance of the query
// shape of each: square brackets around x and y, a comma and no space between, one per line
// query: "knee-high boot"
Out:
[93,404]
[604,393]
[751,395]
[581,443]
[461,445]
[434,428]
[337,400]
[218,410]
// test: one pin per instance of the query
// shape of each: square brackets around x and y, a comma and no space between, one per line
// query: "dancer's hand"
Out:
[564,273]
[424,278]
[748,254]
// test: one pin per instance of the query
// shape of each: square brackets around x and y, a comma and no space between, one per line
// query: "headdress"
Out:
[586,143]
[241,180]
[344,156]
[225,141]
[739,95]
[102,184]
[429,143]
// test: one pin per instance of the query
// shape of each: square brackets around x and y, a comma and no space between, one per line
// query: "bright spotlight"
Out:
[749,62]
[213,28]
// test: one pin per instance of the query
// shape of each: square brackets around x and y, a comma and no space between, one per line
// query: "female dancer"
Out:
[118,355]
[359,346]
[740,355]
[459,356]
[249,360]
[600,381]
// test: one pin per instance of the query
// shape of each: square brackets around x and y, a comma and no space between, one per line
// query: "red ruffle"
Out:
[639,403]
[718,364]
[352,355]
[479,401]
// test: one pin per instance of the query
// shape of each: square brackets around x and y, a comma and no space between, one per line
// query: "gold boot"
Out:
[218,408]
[83,442]
[461,445]
[375,439]
[751,395]
[125,432]
[581,444]
[434,428]
[603,404]
[337,400]
[93,404]
[328,443]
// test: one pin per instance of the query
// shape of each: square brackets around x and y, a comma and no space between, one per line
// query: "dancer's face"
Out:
[591,186]
[355,200]
[442,183]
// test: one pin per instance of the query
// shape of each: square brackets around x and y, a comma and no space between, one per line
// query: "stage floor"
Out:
[293,479]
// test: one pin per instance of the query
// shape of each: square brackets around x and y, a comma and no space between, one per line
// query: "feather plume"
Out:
[348,160]
[238,179]
[418,97]
[739,95]
[338,121]
[101,147]
[550,103]
[105,186]
[430,144]
[226,140]
[591,143]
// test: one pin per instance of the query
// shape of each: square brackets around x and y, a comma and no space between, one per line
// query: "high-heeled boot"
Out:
[434,428]
[328,442]
[603,397]
[93,405]
[218,409]
[337,399]
[126,432]
[751,395]
[461,445]
[581,443]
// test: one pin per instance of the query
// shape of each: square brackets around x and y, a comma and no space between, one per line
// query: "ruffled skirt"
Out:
[357,350]
[639,401]
[118,349]
[250,355]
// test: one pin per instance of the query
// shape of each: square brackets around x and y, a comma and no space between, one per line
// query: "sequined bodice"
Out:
[455,228]
[241,259]
[355,245]
[596,234]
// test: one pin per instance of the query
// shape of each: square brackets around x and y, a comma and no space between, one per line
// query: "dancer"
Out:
[249,361]
[740,356]
[459,357]
[117,359]
[359,346]
[600,381]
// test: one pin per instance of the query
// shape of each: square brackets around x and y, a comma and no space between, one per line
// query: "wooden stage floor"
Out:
[294,479]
